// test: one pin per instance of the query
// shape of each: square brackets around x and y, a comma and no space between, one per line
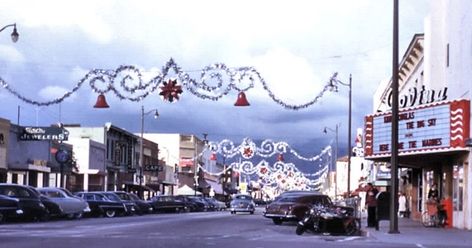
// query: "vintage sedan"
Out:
[9,208]
[129,204]
[28,199]
[71,206]
[242,203]
[168,203]
[219,205]
[293,206]
[193,203]
[142,207]
[100,205]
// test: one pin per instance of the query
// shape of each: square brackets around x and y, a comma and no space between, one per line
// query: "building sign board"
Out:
[43,133]
[427,128]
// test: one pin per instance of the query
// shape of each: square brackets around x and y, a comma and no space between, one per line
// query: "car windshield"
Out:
[67,192]
[243,197]
[134,197]
[288,199]
[123,196]
[15,192]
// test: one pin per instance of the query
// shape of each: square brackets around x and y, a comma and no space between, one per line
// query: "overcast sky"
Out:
[295,45]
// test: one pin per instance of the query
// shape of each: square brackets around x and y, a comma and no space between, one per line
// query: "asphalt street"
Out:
[209,229]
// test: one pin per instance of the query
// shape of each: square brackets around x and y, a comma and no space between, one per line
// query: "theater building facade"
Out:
[435,86]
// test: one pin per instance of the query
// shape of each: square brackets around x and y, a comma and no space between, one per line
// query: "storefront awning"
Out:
[132,186]
[29,167]
[216,187]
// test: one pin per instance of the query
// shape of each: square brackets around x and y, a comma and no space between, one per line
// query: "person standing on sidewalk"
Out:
[402,209]
[433,193]
[371,203]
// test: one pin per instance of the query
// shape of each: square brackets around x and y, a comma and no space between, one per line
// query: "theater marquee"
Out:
[429,128]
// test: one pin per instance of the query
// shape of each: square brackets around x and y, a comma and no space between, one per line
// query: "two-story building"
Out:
[434,116]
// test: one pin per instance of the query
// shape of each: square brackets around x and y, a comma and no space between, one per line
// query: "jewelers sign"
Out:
[427,128]
[44,133]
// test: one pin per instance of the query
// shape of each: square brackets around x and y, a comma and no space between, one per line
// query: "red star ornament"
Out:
[171,90]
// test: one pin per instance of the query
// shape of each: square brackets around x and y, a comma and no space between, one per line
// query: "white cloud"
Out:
[11,54]
[55,92]
[86,15]
[288,76]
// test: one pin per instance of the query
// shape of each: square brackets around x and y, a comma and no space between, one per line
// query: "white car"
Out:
[72,206]
[242,203]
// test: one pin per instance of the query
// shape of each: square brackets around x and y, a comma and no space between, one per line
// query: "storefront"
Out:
[433,149]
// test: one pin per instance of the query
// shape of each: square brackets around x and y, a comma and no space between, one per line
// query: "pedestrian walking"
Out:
[371,203]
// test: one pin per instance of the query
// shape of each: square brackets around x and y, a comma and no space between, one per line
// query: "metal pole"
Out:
[349,139]
[335,161]
[394,151]
[141,157]
[195,163]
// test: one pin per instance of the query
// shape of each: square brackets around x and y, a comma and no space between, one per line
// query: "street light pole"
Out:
[14,34]
[141,147]
[394,141]
[349,152]
[335,158]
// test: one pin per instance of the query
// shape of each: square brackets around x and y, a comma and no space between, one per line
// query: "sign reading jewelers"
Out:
[44,133]
[441,126]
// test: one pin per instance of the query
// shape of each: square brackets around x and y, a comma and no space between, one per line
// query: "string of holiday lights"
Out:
[126,82]
[248,149]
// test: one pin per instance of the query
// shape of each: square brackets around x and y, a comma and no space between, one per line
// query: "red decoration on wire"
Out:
[171,90]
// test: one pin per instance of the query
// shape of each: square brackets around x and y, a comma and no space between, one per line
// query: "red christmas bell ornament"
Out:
[213,157]
[280,157]
[242,100]
[101,102]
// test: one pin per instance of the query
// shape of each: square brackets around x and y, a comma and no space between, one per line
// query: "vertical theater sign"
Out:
[435,127]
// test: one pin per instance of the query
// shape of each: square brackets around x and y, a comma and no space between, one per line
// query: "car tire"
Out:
[252,212]
[277,221]
[2,218]
[78,215]
[45,217]
[110,213]
[300,230]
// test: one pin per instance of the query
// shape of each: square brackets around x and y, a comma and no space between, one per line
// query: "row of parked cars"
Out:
[40,204]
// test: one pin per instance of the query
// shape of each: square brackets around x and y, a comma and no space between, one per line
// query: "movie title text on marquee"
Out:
[438,126]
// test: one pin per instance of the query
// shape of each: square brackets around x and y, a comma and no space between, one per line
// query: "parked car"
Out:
[9,208]
[142,207]
[193,204]
[199,200]
[28,199]
[219,205]
[130,205]
[168,203]
[71,206]
[53,209]
[293,206]
[242,203]
[100,205]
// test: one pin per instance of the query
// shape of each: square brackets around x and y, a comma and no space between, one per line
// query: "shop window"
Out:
[458,187]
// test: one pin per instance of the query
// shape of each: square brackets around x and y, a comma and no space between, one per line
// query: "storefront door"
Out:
[458,195]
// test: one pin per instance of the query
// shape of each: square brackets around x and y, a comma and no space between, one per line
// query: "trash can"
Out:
[383,208]
[447,207]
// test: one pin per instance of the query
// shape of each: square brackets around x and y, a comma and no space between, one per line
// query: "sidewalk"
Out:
[413,232]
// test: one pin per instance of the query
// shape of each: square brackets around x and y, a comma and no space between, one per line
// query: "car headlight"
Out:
[41,205]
